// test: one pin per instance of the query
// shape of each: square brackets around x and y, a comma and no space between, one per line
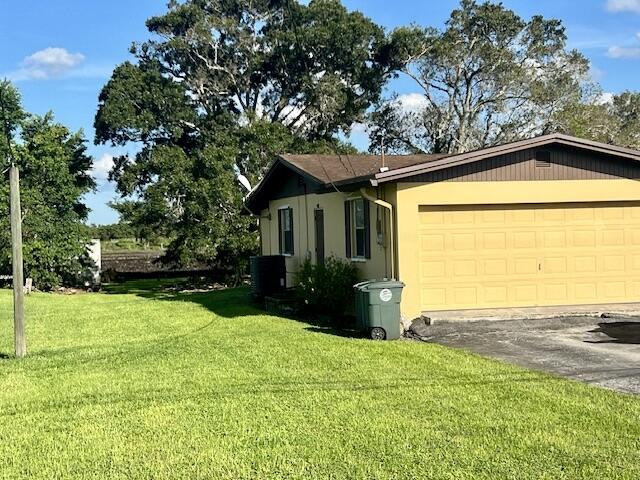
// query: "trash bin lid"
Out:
[381,284]
[362,285]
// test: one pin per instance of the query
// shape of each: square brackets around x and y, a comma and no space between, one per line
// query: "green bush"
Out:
[327,289]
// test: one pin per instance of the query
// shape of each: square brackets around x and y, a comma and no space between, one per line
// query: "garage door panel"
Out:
[496,295]
[525,266]
[585,264]
[612,237]
[612,290]
[556,291]
[580,215]
[524,240]
[495,266]
[501,256]
[432,243]
[463,241]
[494,240]
[583,238]
[436,297]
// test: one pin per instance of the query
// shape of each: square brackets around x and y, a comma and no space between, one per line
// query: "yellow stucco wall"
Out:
[378,266]
[410,196]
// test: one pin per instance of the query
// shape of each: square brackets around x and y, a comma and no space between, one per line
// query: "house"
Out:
[553,220]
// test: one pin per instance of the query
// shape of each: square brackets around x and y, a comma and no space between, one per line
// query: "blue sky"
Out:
[60,53]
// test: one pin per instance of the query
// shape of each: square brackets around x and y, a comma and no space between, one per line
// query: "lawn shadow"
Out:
[224,302]
[618,332]
[345,333]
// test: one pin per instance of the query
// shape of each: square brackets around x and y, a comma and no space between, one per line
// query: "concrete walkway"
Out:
[603,351]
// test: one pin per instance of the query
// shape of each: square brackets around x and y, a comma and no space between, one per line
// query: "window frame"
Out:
[285,236]
[358,238]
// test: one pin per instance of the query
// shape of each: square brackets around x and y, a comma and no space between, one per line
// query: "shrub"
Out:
[327,289]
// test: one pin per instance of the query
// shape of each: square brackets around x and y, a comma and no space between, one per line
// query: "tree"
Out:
[615,121]
[54,177]
[626,109]
[115,231]
[489,77]
[11,117]
[223,87]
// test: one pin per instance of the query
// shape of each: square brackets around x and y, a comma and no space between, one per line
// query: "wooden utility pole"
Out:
[16,257]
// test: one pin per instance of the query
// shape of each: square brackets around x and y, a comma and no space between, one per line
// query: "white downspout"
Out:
[388,206]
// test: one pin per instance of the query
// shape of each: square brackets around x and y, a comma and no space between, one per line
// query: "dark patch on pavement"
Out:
[619,332]
[605,352]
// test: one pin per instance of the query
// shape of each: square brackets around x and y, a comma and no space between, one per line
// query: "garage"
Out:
[493,256]
[542,222]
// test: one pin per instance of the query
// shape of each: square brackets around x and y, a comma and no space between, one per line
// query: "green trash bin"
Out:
[378,308]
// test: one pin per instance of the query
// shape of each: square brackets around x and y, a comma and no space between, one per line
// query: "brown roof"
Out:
[470,157]
[333,170]
[330,169]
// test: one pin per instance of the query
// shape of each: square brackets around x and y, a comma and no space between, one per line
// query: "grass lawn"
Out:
[158,386]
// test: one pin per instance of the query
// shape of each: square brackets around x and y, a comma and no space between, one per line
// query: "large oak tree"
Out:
[222,86]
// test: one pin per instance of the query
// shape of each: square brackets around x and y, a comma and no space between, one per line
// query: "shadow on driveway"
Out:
[618,332]
[599,351]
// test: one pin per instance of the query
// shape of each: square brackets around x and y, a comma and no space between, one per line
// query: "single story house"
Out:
[553,220]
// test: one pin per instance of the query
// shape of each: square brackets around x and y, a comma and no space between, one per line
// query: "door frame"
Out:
[318,228]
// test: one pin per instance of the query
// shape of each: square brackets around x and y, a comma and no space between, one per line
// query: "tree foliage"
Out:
[220,88]
[115,231]
[615,120]
[489,77]
[53,179]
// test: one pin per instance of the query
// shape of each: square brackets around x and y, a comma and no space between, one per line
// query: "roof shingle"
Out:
[340,168]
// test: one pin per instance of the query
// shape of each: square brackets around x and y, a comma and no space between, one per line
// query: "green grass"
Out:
[150,385]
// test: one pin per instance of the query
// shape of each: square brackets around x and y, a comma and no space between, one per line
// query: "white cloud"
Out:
[638,35]
[623,6]
[411,102]
[605,98]
[359,128]
[623,52]
[102,167]
[49,63]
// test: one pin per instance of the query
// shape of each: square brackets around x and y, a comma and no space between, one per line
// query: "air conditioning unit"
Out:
[268,276]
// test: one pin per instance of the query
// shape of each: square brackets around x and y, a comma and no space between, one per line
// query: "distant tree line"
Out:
[114,231]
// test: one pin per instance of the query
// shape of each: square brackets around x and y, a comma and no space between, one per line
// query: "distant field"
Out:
[141,382]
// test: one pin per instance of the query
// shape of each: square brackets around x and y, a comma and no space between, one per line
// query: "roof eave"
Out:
[355,181]
[463,158]
[250,199]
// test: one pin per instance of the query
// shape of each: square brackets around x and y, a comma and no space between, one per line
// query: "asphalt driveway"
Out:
[603,351]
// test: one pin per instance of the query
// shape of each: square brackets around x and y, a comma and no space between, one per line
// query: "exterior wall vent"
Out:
[543,159]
